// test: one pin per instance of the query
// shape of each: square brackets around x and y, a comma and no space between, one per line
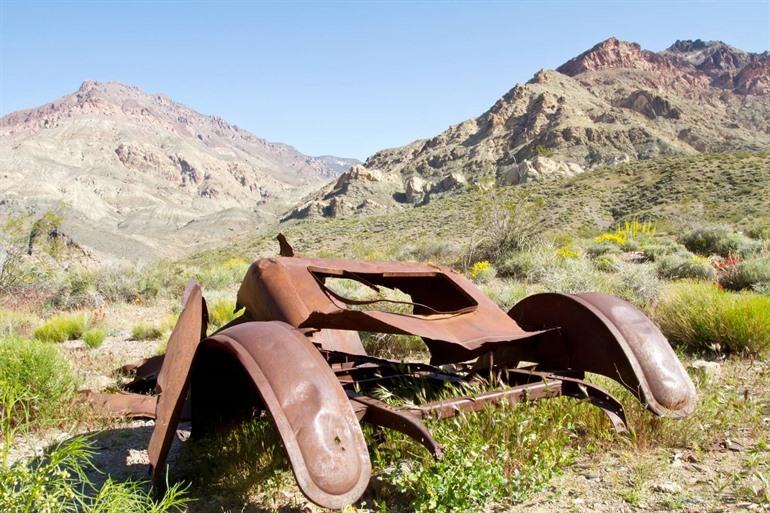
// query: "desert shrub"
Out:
[573,275]
[702,317]
[40,376]
[747,274]
[57,483]
[76,288]
[505,293]
[94,337]
[685,265]
[530,265]
[15,322]
[718,241]
[636,283]
[432,251]
[566,252]
[608,263]
[618,239]
[399,347]
[63,327]
[662,248]
[482,272]
[760,231]
[145,331]
[221,311]
[510,227]
[598,249]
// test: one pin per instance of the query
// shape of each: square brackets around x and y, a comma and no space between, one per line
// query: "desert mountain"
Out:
[613,103]
[139,175]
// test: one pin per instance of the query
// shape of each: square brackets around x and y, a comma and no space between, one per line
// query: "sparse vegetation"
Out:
[36,378]
[63,327]
[144,331]
[613,231]
[58,483]
[94,337]
[704,317]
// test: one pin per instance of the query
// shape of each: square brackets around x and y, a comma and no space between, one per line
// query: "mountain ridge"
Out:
[138,172]
[612,103]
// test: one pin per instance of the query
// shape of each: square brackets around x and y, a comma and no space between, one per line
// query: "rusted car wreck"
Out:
[296,353]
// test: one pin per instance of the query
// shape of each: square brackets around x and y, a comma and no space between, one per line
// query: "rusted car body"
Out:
[296,353]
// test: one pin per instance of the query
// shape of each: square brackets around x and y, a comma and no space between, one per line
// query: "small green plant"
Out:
[704,317]
[37,373]
[94,337]
[221,311]
[16,323]
[144,331]
[63,327]
[57,483]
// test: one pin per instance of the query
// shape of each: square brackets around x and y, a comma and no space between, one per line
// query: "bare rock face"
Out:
[138,175]
[415,189]
[539,168]
[612,103]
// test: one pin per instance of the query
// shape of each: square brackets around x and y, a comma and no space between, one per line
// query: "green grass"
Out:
[40,377]
[703,317]
[221,311]
[145,331]
[58,483]
[94,337]
[63,327]
[17,322]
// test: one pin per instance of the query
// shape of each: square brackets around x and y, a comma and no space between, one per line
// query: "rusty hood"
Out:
[456,320]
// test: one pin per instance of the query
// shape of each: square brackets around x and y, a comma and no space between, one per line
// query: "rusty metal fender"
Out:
[609,336]
[311,411]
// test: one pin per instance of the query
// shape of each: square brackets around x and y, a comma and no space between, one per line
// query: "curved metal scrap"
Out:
[316,422]
[605,335]
[174,376]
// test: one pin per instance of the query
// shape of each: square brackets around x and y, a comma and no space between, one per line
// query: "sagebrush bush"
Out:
[598,249]
[718,241]
[63,327]
[636,283]
[679,266]
[661,248]
[444,251]
[17,323]
[40,372]
[703,317]
[504,292]
[752,273]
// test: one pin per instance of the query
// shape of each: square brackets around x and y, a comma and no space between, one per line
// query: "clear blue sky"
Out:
[335,77]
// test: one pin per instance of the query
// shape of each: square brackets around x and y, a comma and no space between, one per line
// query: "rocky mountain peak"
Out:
[612,53]
[613,103]
[126,167]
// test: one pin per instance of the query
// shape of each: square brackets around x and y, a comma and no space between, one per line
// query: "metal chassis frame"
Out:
[357,373]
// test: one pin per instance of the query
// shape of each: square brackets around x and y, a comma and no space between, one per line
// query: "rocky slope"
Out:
[613,103]
[138,175]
